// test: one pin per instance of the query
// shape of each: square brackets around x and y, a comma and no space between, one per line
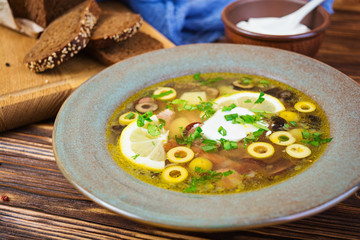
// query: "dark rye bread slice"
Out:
[137,44]
[64,37]
[41,12]
[114,27]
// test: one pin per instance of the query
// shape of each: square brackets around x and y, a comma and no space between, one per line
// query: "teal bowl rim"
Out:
[82,156]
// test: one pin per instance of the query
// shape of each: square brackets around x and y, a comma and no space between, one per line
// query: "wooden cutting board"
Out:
[27,97]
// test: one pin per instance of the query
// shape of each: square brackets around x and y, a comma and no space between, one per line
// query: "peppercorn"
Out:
[7,64]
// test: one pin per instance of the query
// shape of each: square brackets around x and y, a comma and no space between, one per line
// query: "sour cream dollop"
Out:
[252,26]
[234,132]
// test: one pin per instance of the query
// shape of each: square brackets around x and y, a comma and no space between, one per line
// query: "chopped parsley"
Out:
[153,130]
[144,117]
[205,107]
[135,156]
[228,145]
[283,138]
[247,101]
[246,119]
[246,80]
[206,81]
[253,137]
[205,176]
[197,76]
[163,94]
[293,123]
[260,98]
[183,140]
[314,139]
[162,123]
[265,82]
[210,145]
[209,148]
[229,108]
[231,117]
[131,115]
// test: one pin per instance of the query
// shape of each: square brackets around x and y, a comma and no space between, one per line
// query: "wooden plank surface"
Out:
[28,97]
[43,205]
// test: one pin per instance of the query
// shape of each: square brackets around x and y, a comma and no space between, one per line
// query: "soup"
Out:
[215,133]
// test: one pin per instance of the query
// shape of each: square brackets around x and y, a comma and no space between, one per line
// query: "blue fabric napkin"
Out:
[188,21]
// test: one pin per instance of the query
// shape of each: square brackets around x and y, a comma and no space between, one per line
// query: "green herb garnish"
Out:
[182,140]
[209,148]
[314,139]
[162,123]
[206,81]
[229,108]
[293,123]
[163,94]
[181,104]
[247,101]
[252,137]
[228,145]
[153,129]
[231,117]
[283,138]
[222,131]
[131,115]
[260,98]
[246,80]
[135,156]
[205,176]
[144,117]
[265,82]
[197,76]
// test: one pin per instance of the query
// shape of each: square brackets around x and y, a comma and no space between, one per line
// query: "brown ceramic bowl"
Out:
[306,43]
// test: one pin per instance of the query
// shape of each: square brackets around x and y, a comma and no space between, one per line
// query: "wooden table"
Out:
[43,204]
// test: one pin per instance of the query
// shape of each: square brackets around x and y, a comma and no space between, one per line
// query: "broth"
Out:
[216,133]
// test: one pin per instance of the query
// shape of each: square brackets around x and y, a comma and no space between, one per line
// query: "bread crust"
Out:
[109,39]
[89,18]
[138,44]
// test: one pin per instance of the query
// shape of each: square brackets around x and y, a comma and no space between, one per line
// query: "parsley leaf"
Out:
[205,176]
[265,82]
[190,139]
[246,80]
[229,108]
[131,115]
[144,117]
[314,139]
[260,98]
[197,76]
[209,148]
[153,130]
[252,137]
[293,123]
[163,94]
[228,145]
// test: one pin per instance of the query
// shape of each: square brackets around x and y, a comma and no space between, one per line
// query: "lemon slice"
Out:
[138,146]
[247,100]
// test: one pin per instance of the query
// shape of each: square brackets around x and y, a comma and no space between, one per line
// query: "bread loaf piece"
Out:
[42,12]
[64,37]
[114,27]
[137,44]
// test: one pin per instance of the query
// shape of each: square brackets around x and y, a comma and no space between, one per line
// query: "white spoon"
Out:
[286,25]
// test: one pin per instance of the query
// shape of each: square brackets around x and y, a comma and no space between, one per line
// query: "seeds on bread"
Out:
[114,27]
[64,37]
